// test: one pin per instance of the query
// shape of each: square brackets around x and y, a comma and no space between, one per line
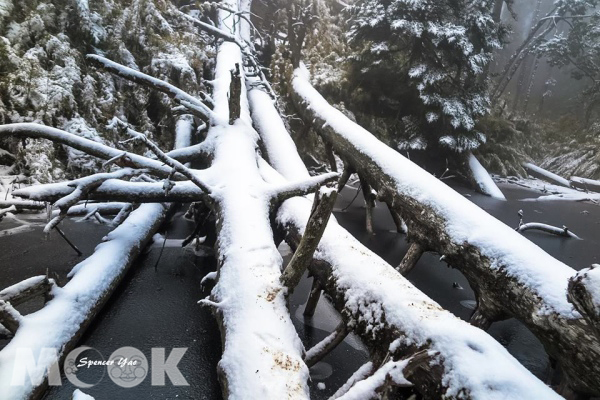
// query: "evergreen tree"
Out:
[422,65]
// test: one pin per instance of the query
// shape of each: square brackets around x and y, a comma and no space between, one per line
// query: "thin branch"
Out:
[195,106]
[324,347]
[176,165]
[77,142]
[83,187]
[294,189]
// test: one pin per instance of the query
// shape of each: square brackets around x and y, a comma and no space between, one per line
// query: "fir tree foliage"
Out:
[423,64]
[44,76]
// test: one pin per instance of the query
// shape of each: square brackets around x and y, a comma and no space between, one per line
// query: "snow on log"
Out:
[564,231]
[27,289]
[510,275]
[585,184]
[591,197]
[483,180]
[386,310]
[262,354]
[62,321]
[547,176]
[584,293]
[22,205]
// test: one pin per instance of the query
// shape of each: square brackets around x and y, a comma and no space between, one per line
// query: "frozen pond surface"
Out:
[157,307]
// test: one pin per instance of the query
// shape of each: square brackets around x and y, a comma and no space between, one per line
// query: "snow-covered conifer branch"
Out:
[194,105]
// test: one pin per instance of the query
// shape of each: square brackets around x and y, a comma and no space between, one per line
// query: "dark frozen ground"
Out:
[158,307]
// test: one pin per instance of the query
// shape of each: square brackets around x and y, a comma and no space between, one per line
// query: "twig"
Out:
[79,253]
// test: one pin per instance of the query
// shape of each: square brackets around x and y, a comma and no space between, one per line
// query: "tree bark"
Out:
[415,251]
[323,205]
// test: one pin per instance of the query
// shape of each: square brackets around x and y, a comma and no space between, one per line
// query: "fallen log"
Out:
[585,184]
[27,289]
[544,175]
[509,275]
[383,308]
[64,319]
[22,205]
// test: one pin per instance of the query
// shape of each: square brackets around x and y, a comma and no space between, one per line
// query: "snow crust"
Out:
[464,221]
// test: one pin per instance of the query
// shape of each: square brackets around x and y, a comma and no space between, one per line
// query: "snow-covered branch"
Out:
[302,188]
[564,231]
[88,146]
[194,105]
[82,188]
[547,176]
[176,165]
[118,190]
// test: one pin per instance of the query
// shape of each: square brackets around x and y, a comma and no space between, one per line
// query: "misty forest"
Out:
[293,199]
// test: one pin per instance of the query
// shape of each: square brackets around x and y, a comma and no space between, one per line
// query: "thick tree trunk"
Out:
[383,308]
[511,282]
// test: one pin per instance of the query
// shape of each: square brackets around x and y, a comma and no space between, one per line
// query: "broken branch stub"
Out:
[235,93]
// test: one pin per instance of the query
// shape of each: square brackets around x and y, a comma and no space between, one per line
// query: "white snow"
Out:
[464,221]
[79,395]
[483,179]
[365,389]
[19,287]
[590,277]
[547,175]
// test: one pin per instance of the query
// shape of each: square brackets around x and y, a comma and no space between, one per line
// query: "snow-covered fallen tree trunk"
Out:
[510,276]
[544,175]
[585,184]
[22,204]
[64,319]
[385,309]
[482,179]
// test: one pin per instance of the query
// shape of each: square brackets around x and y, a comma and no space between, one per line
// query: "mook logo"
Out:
[85,367]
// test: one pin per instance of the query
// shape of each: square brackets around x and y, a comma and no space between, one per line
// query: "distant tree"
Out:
[424,63]
[578,49]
